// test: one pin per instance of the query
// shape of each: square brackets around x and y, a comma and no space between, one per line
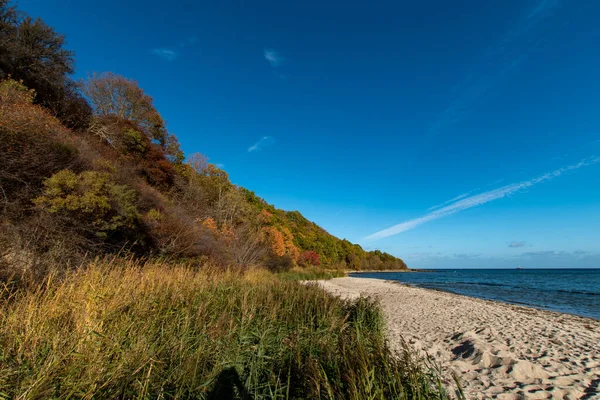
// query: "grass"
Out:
[310,274]
[170,332]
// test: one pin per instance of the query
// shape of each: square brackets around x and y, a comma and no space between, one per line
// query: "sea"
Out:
[572,291]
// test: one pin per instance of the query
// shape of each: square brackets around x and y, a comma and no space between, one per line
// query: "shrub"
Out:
[90,197]
[33,144]
[174,234]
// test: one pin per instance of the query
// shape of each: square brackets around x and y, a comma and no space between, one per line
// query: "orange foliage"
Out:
[275,240]
[228,234]
[265,217]
[291,248]
[210,224]
[280,242]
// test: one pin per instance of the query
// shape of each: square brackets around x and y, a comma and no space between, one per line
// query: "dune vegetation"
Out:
[131,330]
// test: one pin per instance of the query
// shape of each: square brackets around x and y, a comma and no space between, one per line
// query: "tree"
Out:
[309,258]
[112,95]
[34,53]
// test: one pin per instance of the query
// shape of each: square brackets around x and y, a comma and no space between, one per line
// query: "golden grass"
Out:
[125,330]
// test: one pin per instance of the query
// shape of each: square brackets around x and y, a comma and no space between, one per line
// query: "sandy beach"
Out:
[497,350]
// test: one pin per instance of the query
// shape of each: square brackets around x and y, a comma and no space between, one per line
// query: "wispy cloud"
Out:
[460,196]
[167,54]
[274,58]
[189,41]
[496,62]
[514,245]
[262,143]
[479,199]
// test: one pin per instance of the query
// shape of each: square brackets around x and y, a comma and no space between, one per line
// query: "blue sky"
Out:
[449,134]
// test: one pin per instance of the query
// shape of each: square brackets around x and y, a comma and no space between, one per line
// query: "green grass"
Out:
[156,331]
[309,274]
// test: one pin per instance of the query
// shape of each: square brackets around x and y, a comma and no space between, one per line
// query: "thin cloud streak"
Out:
[479,199]
[499,60]
[459,197]
[263,142]
[167,54]
[273,57]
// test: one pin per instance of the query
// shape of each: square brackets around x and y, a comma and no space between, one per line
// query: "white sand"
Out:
[497,350]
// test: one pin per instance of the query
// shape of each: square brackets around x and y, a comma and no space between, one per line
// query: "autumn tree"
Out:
[309,258]
[114,96]
[275,240]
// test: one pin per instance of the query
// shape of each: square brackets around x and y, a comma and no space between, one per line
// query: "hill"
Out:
[90,168]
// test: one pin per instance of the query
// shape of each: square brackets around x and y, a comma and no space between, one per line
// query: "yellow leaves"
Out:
[90,196]
[154,215]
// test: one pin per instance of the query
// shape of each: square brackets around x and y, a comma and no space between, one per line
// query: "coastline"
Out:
[496,349]
[387,270]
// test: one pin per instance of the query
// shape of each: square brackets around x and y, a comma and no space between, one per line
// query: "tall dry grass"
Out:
[125,330]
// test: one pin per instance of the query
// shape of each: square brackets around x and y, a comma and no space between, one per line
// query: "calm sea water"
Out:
[573,291]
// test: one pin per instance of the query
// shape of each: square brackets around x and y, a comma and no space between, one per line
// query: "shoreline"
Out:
[496,349]
[522,305]
[387,270]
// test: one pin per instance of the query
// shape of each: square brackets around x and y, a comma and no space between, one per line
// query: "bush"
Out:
[91,198]
[33,144]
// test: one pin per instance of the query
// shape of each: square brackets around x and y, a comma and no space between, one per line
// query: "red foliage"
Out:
[310,257]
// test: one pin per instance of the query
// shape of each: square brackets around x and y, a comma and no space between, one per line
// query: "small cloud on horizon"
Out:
[515,245]
[558,254]
[273,57]
[166,54]
[262,143]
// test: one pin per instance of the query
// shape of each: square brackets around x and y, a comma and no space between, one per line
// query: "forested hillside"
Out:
[90,168]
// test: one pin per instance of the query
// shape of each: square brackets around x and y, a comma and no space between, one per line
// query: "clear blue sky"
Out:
[365,115]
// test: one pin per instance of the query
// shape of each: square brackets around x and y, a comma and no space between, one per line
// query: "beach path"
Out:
[497,350]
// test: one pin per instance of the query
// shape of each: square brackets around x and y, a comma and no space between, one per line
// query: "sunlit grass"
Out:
[310,274]
[159,331]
